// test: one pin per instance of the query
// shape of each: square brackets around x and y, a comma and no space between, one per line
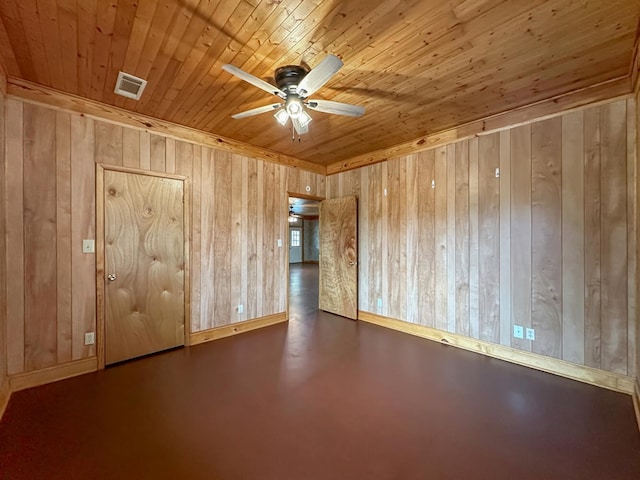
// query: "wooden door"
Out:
[295,245]
[338,289]
[144,264]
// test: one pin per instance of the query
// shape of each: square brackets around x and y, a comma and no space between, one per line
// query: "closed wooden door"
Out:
[144,264]
[295,245]
[338,288]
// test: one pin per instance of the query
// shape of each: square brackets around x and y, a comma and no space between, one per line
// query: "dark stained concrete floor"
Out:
[321,397]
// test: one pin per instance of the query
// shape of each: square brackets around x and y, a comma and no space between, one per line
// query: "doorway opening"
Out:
[304,255]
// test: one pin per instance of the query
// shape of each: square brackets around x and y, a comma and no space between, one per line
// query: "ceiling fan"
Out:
[294,84]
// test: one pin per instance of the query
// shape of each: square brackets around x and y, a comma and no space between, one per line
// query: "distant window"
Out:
[295,238]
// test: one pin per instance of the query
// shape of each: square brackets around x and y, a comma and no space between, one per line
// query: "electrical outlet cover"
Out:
[518,331]
[531,334]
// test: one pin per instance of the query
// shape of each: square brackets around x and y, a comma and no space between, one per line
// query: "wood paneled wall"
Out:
[637,219]
[238,207]
[3,250]
[532,226]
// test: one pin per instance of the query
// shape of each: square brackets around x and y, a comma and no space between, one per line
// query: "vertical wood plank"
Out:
[157,151]
[170,155]
[593,240]
[451,238]
[412,253]
[196,239]
[633,350]
[145,150]
[441,284]
[474,241]
[222,239]
[40,330]
[462,238]
[384,237]
[252,239]
[207,258]
[235,238]
[363,241]
[244,240]
[614,237]
[521,233]
[63,236]
[14,151]
[108,146]
[269,238]
[426,242]
[573,237]
[505,238]
[546,238]
[260,237]
[131,148]
[397,244]
[374,260]
[82,226]
[489,237]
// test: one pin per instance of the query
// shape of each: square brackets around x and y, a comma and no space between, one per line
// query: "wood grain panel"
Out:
[396,237]
[63,237]
[40,238]
[207,256]
[451,238]
[426,241]
[489,238]
[505,237]
[374,259]
[461,220]
[15,236]
[614,237]
[131,148]
[196,239]
[520,221]
[157,149]
[83,278]
[573,240]
[269,238]
[252,239]
[4,383]
[546,237]
[108,143]
[593,238]
[222,229]
[412,257]
[441,281]
[144,239]
[474,250]
[338,281]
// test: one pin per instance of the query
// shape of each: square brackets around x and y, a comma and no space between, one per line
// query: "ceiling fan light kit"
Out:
[294,84]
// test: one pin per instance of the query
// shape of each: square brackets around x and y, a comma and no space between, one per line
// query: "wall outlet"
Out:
[379,303]
[240,308]
[531,334]
[518,331]
[89,338]
[279,243]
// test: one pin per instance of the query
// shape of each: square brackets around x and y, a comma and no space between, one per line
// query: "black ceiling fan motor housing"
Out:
[289,75]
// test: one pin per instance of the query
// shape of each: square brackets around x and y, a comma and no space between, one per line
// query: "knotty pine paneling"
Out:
[238,213]
[544,244]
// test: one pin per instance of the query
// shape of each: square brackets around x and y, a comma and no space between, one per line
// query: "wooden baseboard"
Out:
[601,378]
[636,400]
[21,381]
[236,328]
[5,394]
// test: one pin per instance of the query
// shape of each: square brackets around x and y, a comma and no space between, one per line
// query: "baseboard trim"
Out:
[636,400]
[236,328]
[21,381]
[601,378]
[5,394]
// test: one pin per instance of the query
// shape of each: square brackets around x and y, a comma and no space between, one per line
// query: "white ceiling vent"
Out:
[129,86]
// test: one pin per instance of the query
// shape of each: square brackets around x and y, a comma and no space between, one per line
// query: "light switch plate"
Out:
[88,246]
[89,338]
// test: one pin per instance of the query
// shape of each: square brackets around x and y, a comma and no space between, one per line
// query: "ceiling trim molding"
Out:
[34,93]
[560,104]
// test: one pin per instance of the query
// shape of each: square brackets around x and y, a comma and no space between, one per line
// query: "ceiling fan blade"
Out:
[300,128]
[337,108]
[255,81]
[258,111]
[317,77]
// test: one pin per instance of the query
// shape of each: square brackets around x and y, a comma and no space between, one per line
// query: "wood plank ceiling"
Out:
[418,66]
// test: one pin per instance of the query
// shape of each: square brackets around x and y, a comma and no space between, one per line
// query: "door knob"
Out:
[111,276]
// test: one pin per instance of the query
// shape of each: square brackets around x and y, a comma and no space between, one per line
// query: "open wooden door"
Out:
[144,259]
[338,288]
